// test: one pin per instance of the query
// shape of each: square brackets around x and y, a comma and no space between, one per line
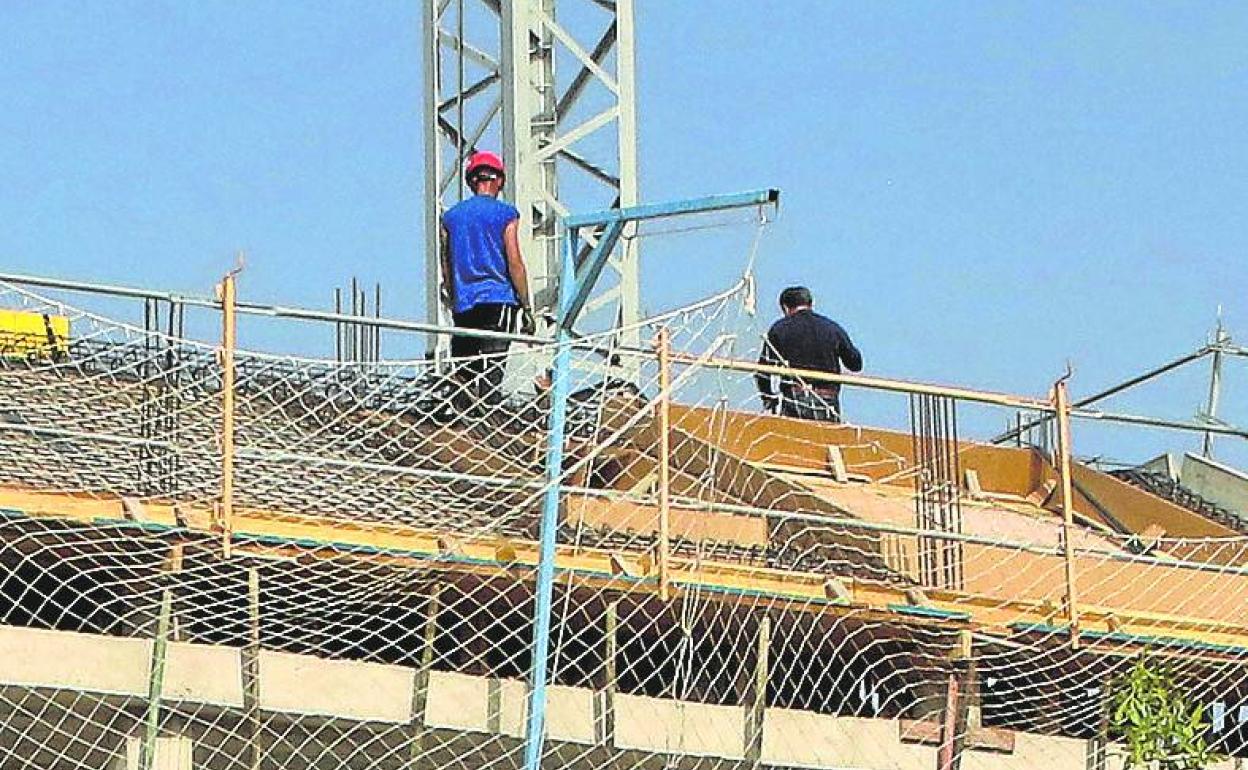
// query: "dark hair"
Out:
[484,172]
[796,296]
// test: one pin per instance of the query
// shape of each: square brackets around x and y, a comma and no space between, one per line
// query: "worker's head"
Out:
[795,298]
[485,174]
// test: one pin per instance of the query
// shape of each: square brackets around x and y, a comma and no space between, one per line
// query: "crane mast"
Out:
[550,84]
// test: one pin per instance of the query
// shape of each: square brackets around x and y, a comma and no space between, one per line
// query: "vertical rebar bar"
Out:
[338,330]
[377,327]
[937,487]
[353,330]
[361,326]
[172,378]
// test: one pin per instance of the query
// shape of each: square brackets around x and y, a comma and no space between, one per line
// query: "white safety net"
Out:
[731,588]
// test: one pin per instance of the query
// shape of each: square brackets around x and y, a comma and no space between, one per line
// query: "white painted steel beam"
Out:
[568,137]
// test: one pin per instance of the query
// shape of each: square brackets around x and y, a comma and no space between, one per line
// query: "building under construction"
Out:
[214,558]
[217,558]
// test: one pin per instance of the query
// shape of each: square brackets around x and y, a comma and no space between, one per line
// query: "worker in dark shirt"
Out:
[484,282]
[803,339]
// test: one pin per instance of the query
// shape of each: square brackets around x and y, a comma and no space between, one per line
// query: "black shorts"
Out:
[489,316]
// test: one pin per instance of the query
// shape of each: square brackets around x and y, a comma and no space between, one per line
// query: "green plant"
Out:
[1159,723]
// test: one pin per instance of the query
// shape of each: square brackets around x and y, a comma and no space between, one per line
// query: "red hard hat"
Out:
[480,160]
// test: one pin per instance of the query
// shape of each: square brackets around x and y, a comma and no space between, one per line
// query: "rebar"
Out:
[937,493]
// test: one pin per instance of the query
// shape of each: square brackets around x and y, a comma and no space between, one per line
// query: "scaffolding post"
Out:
[561,375]
[227,295]
[156,669]
[946,755]
[962,711]
[1220,338]
[1061,399]
[664,345]
[251,671]
[420,689]
[605,723]
[757,706]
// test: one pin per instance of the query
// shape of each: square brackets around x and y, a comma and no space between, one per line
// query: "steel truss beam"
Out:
[569,138]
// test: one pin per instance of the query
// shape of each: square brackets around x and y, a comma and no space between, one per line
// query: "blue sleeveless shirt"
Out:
[478,261]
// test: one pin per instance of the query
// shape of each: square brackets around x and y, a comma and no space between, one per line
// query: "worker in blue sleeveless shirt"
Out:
[485,284]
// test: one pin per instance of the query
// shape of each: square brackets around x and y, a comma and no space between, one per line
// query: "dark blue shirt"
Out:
[807,340]
[478,260]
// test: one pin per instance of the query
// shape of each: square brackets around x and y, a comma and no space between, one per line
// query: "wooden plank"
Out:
[928,732]
[1003,594]
[665,462]
[836,463]
[973,487]
[947,755]
[1137,509]
[226,292]
[1062,405]
[633,517]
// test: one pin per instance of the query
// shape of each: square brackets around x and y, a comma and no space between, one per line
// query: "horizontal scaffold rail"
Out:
[962,394]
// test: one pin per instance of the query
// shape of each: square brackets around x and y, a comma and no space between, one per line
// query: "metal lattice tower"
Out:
[557,94]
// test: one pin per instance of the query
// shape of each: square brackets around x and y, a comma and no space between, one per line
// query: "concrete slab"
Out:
[458,701]
[671,726]
[62,725]
[570,714]
[513,707]
[172,753]
[205,674]
[72,661]
[1032,751]
[806,739]
[350,689]
[1217,483]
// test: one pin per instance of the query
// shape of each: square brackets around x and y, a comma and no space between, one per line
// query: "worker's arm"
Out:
[850,356]
[515,263]
[767,357]
[448,281]
[519,275]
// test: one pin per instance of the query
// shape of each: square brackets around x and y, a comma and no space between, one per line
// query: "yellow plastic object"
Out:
[33,335]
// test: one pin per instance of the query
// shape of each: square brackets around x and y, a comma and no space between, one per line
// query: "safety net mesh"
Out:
[731,588]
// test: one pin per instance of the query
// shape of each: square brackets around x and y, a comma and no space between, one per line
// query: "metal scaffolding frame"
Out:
[1206,421]
[491,80]
[576,283]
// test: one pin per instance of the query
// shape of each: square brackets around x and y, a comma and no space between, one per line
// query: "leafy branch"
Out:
[1156,719]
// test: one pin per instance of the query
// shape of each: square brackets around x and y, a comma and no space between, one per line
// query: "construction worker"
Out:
[803,339]
[484,282]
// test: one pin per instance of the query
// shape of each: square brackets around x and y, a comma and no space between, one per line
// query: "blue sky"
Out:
[979,191]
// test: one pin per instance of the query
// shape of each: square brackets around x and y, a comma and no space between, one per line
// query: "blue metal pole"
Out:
[704,204]
[560,375]
[588,275]
[572,295]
